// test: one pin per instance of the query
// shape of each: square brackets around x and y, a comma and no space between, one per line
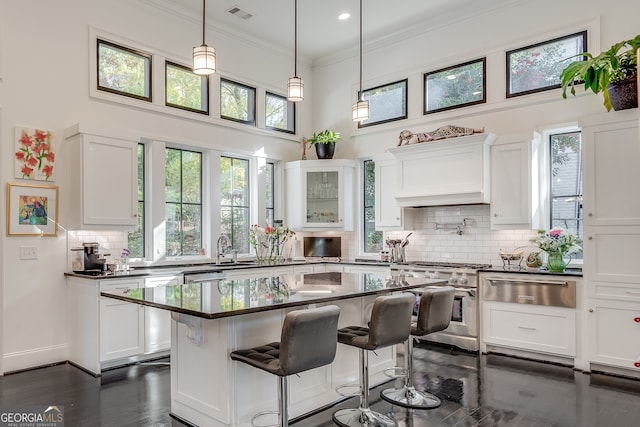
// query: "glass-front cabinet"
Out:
[320,195]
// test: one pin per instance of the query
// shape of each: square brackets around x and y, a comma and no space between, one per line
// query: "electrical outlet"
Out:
[28,252]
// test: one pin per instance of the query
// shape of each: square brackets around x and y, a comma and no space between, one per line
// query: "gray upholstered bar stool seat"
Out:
[434,314]
[308,340]
[390,324]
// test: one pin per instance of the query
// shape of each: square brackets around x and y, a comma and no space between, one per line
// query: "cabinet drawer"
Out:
[617,291]
[540,328]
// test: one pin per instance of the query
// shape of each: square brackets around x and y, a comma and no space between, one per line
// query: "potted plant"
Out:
[612,72]
[325,143]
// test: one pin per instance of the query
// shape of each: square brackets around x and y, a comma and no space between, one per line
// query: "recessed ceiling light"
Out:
[344,16]
[451,76]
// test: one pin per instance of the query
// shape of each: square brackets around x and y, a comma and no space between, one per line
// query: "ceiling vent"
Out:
[236,11]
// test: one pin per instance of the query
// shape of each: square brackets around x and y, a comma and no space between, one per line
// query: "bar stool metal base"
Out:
[409,397]
[361,417]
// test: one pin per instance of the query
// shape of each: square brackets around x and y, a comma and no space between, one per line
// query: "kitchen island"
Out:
[212,319]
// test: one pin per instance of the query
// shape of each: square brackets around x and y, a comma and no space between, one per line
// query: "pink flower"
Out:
[555,233]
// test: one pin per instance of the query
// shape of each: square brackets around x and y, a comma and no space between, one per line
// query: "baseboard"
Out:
[21,360]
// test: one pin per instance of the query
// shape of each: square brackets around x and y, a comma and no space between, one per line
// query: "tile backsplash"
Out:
[478,243]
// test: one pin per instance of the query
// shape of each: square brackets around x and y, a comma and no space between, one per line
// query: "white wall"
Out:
[44,71]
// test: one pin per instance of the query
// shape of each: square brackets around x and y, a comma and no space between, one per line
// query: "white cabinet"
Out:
[157,322]
[320,195]
[514,187]
[121,323]
[388,214]
[103,182]
[611,154]
[446,172]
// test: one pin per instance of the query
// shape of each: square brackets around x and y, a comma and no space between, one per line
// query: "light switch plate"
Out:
[28,252]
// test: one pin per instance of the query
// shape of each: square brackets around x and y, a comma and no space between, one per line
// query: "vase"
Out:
[325,151]
[624,94]
[556,262]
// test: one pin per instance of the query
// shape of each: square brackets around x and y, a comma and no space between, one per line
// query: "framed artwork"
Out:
[537,68]
[35,155]
[32,210]
[458,86]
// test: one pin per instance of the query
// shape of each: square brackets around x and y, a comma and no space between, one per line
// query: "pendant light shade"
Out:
[295,87]
[360,110]
[204,57]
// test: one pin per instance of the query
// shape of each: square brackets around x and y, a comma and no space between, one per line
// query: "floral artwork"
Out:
[34,155]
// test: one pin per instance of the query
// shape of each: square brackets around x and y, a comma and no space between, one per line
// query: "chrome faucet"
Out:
[221,247]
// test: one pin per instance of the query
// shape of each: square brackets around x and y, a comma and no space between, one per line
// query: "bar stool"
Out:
[308,340]
[390,324]
[434,315]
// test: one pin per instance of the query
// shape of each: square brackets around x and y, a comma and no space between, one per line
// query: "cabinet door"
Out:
[510,189]
[611,155]
[388,213]
[611,254]
[613,333]
[157,322]
[323,198]
[109,181]
[121,323]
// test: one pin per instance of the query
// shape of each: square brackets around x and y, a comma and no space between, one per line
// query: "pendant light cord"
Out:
[204,2]
[360,91]
[295,39]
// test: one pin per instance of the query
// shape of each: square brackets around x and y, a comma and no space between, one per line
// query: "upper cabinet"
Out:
[389,215]
[611,154]
[320,195]
[452,171]
[514,185]
[103,182]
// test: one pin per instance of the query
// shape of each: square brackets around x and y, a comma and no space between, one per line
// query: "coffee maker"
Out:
[87,259]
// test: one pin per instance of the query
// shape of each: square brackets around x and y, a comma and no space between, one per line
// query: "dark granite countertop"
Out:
[226,298]
[576,272]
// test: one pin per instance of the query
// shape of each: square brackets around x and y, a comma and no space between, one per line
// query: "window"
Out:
[269,186]
[387,103]
[537,68]
[566,182]
[280,114]
[455,87]
[186,90]
[237,102]
[234,201]
[136,237]
[124,71]
[372,238]
[183,202]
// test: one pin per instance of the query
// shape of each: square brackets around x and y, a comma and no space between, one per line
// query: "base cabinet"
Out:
[614,328]
[157,323]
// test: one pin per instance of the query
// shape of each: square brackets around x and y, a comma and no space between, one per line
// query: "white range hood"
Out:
[453,171]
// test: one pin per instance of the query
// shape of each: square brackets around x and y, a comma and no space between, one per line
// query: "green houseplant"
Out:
[612,70]
[325,143]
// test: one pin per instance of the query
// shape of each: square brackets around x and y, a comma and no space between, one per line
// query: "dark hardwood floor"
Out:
[488,390]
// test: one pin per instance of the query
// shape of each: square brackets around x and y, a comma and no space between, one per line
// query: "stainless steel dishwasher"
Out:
[556,293]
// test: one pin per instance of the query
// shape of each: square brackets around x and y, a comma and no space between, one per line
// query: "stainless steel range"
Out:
[463,329]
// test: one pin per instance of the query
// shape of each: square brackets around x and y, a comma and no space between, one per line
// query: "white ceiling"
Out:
[320,33]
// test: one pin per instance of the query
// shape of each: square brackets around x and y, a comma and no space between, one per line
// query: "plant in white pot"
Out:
[612,72]
[325,143]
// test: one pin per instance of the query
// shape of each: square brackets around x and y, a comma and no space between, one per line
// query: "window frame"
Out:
[270,207]
[288,104]
[364,238]
[250,209]
[426,75]
[362,124]
[149,74]
[509,53]
[181,203]
[141,203]
[251,102]
[204,89]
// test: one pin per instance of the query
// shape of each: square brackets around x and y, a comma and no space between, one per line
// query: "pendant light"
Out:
[204,57]
[360,110]
[295,87]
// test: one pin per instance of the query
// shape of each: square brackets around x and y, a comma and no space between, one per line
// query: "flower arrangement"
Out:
[34,156]
[268,242]
[557,240]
